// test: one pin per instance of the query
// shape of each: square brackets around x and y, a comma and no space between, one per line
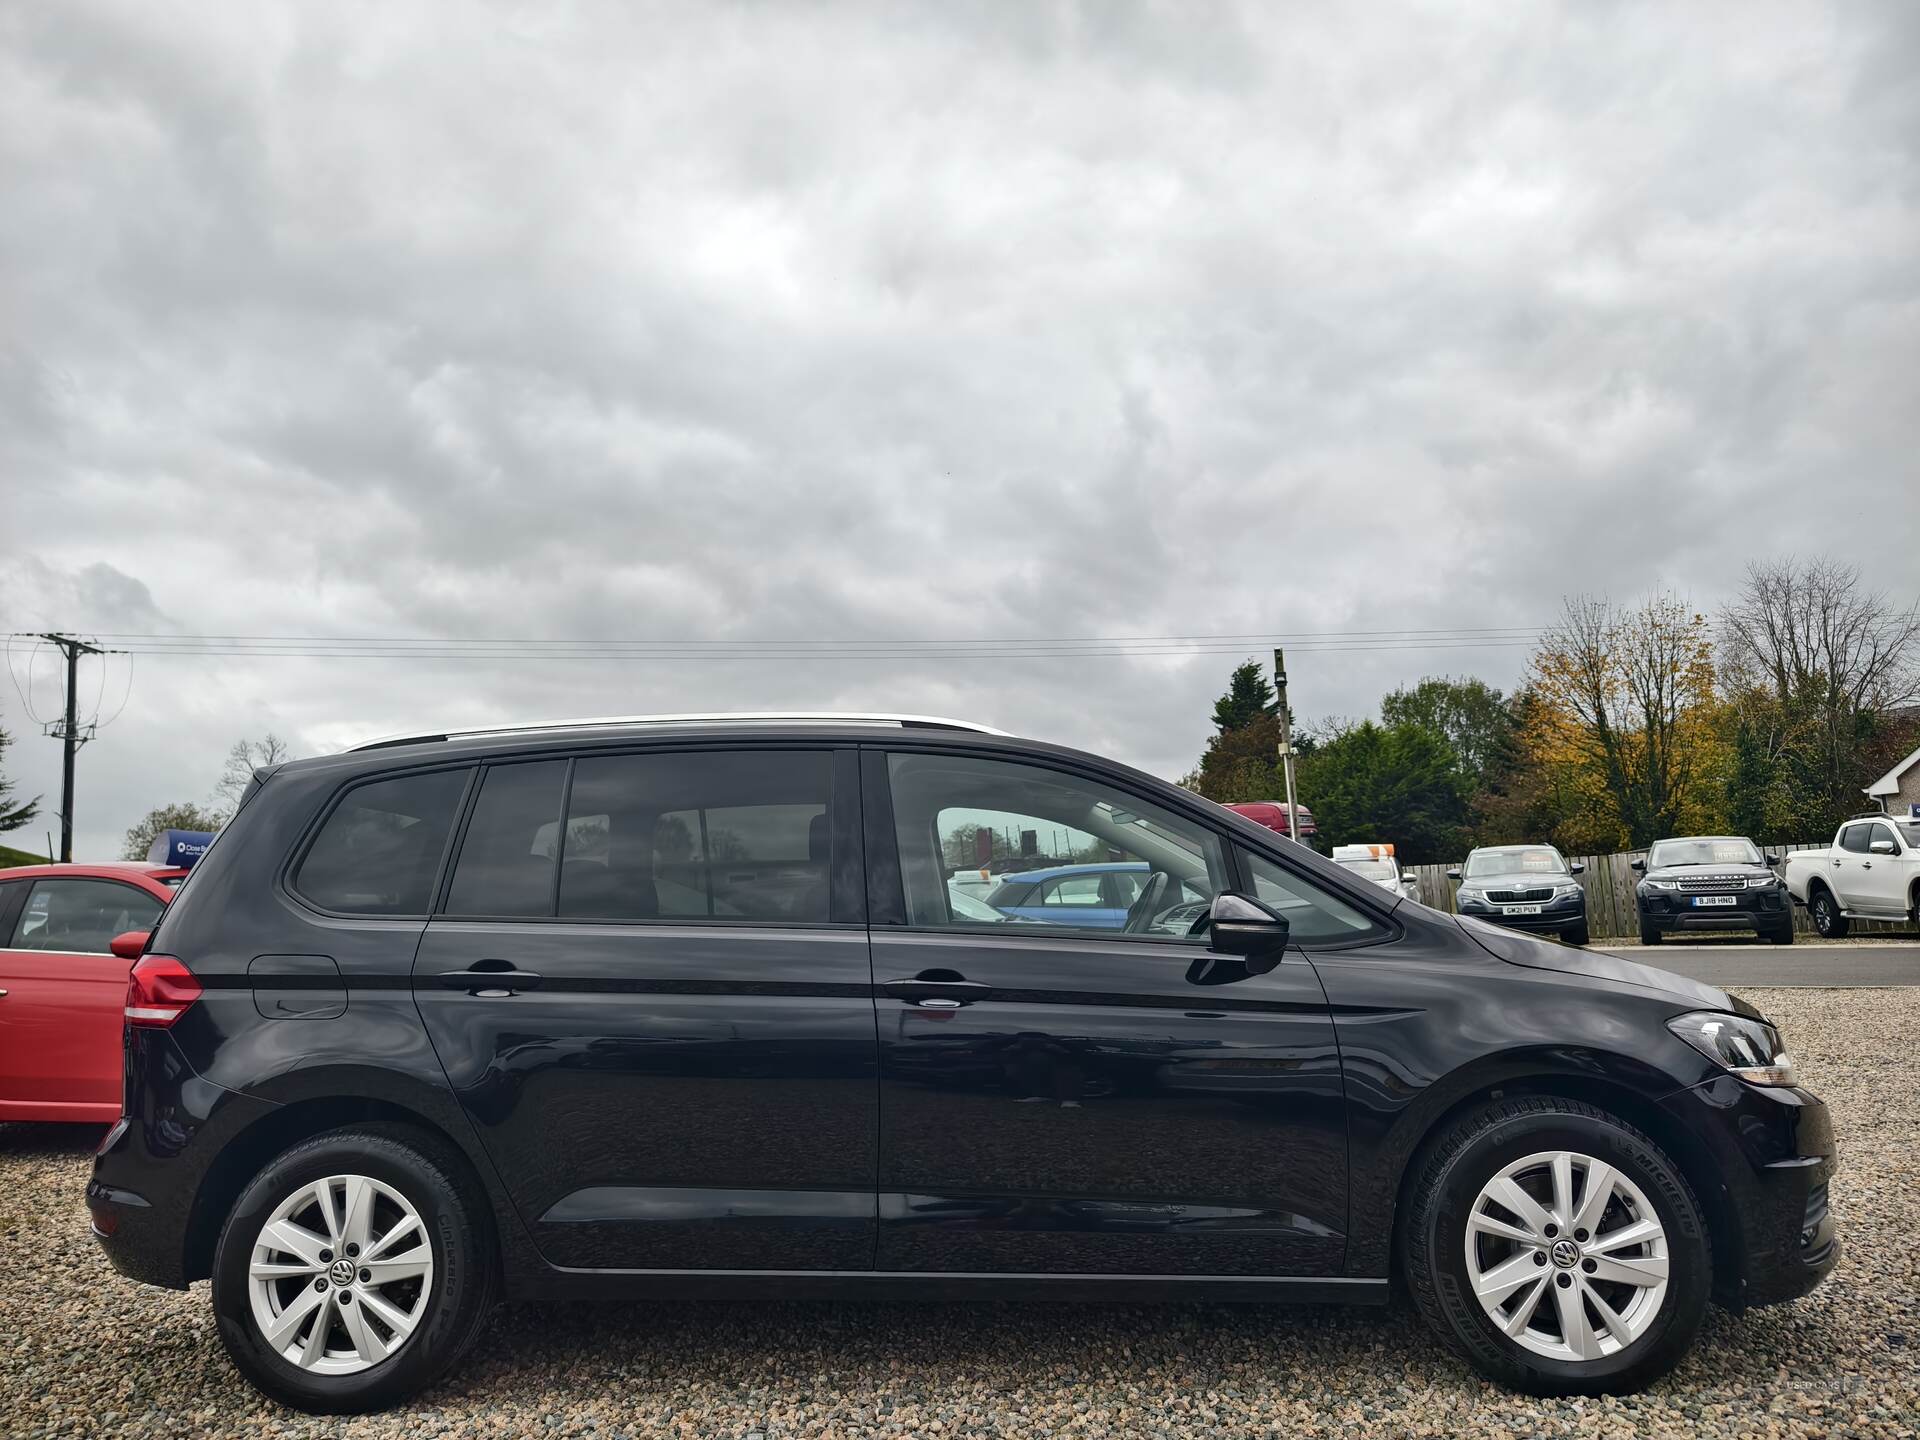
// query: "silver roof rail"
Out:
[734,717]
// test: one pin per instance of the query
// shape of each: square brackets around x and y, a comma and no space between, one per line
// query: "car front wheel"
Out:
[353,1271]
[1557,1248]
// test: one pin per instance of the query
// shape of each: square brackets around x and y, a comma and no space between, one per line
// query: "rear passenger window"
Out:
[740,835]
[507,858]
[380,849]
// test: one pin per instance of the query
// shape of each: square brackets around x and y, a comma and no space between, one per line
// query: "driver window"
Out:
[1313,915]
[1063,853]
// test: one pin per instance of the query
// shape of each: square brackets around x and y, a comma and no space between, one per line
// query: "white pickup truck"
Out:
[1870,872]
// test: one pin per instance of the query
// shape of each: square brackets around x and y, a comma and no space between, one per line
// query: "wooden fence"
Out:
[1609,881]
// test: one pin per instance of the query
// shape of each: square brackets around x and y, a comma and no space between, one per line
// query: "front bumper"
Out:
[1755,910]
[1555,917]
[1776,1161]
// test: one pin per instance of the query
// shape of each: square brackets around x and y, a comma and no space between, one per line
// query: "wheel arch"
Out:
[1694,1159]
[287,1125]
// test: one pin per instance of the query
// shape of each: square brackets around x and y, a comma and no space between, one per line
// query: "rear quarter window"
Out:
[379,850]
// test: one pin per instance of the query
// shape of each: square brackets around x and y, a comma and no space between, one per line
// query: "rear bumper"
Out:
[149,1168]
[1776,1161]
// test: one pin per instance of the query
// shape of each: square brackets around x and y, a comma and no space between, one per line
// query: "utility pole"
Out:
[1286,743]
[67,731]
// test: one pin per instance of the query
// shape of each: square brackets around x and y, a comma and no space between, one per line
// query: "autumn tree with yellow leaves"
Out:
[1626,722]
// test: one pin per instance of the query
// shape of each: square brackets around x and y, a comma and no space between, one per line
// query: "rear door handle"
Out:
[492,983]
[923,992]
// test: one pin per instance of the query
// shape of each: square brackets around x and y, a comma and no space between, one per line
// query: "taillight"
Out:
[159,991]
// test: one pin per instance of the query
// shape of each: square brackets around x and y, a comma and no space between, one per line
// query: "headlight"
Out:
[1472,893]
[1763,882]
[1750,1049]
[1566,887]
[1659,884]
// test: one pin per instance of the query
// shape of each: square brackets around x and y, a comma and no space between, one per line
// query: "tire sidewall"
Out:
[458,1281]
[1689,1262]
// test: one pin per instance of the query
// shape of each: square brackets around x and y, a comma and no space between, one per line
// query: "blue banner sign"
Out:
[178,847]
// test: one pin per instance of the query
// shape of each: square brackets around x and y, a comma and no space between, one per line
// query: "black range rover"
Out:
[669,1008]
[1711,882]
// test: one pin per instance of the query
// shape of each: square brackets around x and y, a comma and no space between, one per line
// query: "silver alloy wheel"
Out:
[340,1275]
[1566,1225]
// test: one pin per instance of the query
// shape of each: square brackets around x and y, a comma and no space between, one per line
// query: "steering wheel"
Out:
[1140,914]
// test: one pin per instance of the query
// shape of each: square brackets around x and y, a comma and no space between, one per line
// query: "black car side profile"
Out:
[1711,882]
[686,1006]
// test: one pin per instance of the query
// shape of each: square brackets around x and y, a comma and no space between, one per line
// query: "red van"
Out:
[1273,815]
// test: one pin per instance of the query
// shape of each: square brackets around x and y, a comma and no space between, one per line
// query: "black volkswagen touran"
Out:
[692,1006]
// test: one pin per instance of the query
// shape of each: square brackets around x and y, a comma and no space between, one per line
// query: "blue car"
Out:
[1096,896]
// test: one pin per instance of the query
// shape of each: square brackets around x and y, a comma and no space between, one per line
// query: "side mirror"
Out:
[1637,865]
[1453,874]
[1240,927]
[1771,859]
[1409,875]
[1881,847]
[1576,868]
[131,945]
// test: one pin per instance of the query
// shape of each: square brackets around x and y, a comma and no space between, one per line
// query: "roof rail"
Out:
[735,717]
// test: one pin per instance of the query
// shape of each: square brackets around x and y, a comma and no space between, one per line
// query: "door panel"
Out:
[666,1075]
[1882,883]
[659,1101]
[1094,1110]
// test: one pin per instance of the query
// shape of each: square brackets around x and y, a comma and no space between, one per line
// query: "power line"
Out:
[1445,630]
[767,648]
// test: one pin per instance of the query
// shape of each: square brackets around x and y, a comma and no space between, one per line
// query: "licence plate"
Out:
[1519,909]
[1713,899]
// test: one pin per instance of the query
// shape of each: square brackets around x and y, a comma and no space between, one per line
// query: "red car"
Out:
[1273,815]
[63,989]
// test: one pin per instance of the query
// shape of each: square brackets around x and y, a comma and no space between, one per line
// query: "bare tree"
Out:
[1809,630]
[243,759]
[1817,664]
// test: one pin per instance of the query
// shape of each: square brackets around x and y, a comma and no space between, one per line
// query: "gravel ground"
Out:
[83,1352]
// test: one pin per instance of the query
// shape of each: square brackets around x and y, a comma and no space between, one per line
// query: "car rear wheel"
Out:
[1557,1248]
[354,1270]
[1827,919]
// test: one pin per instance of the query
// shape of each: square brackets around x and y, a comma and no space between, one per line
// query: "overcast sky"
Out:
[917,322]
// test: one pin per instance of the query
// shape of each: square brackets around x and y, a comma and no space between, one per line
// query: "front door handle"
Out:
[489,982]
[923,992]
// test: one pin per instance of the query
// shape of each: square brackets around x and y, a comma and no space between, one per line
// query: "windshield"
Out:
[1512,859]
[1371,869]
[1720,851]
[1909,832]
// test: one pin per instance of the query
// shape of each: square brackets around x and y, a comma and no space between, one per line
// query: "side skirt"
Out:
[559,1283]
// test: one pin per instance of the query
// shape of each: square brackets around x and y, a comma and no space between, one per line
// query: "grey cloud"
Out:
[871,322]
